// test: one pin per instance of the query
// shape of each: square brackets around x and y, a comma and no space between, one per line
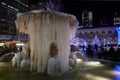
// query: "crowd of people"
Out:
[107,53]
[111,53]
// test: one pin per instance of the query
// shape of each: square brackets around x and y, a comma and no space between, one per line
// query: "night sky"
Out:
[100,9]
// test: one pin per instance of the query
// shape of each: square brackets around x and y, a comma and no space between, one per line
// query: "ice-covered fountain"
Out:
[44,28]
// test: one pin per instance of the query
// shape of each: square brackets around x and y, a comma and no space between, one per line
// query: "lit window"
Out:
[80,33]
[103,32]
[91,33]
[86,33]
[109,32]
[97,32]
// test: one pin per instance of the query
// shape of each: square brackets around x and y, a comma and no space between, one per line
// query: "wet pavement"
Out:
[84,70]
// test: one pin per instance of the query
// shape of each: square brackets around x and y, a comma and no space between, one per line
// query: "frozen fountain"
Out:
[45,27]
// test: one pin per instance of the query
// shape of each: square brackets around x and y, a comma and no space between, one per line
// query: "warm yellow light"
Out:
[93,63]
[19,44]
[79,61]
[1,44]
[94,77]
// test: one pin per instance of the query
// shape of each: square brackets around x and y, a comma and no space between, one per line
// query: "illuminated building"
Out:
[106,35]
[87,19]
[117,19]
[8,11]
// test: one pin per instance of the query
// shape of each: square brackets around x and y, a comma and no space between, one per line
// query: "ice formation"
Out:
[45,27]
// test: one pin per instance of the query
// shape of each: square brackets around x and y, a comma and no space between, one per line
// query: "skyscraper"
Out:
[117,18]
[87,19]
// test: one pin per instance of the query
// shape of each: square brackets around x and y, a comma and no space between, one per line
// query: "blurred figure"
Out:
[111,53]
[90,51]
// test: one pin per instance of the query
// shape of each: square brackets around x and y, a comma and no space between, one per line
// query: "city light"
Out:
[94,77]
[118,30]
[1,44]
[19,44]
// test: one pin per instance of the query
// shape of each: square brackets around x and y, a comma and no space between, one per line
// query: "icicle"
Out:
[44,28]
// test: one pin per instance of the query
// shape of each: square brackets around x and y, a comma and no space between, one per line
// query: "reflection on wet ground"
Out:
[116,72]
[84,70]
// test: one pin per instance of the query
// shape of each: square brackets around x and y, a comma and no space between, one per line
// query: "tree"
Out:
[50,5]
